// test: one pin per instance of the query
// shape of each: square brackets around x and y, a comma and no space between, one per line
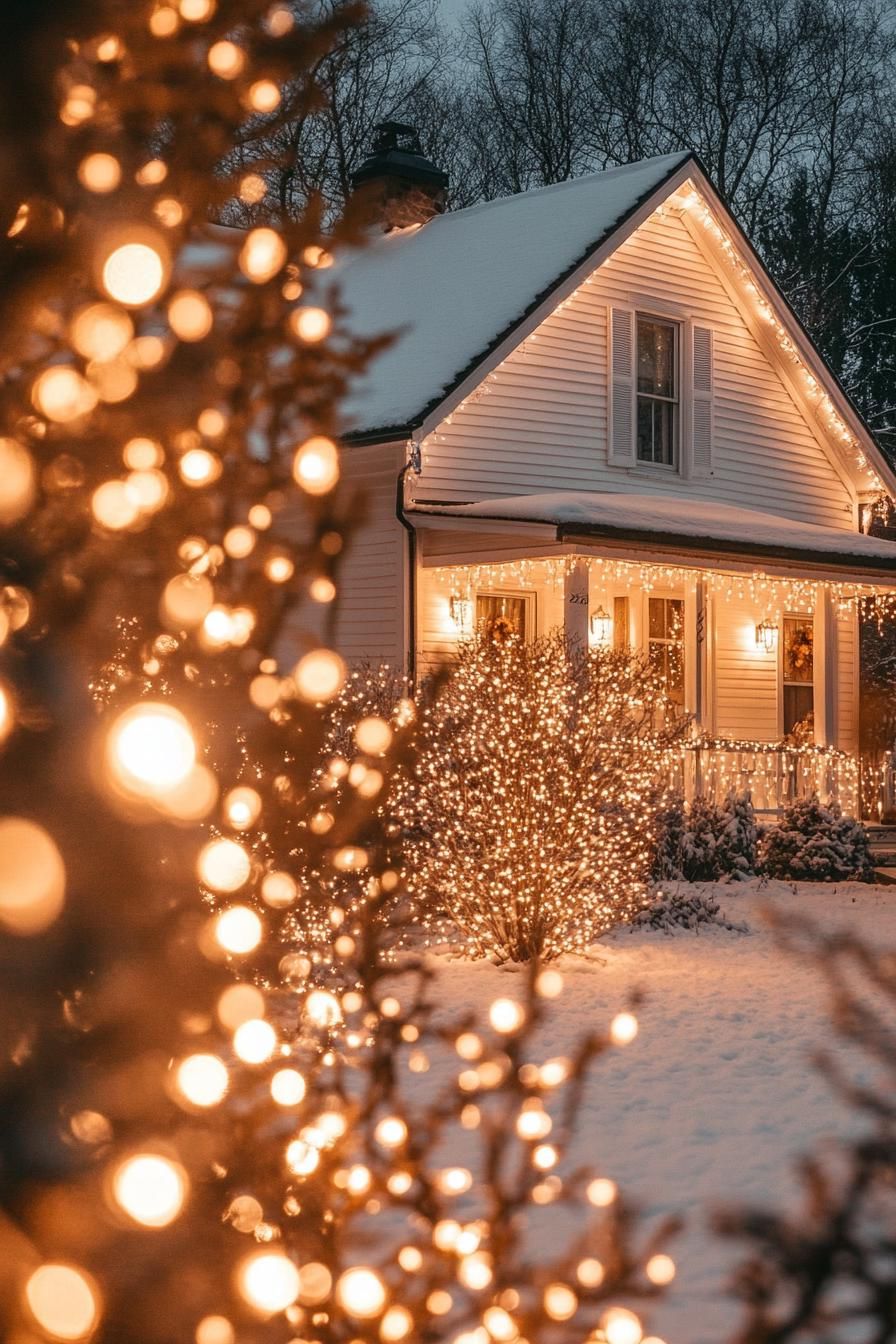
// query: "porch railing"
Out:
[776,774]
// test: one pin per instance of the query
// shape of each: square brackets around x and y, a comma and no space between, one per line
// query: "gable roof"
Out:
[462,290]
[456,286]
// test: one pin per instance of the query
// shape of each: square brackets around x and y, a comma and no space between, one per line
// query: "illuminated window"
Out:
[503,616]
[657,354]
[621,638]
[798,672]
[665,644]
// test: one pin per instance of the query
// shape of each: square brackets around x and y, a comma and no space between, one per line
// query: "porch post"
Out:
[825,668]
[575,607]
[702,661]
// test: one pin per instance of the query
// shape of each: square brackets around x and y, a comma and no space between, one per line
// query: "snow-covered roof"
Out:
[698,524]
[455,286]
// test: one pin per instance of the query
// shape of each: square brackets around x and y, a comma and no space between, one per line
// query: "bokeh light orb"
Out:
[361,1292]
[224,865]
[255,1041]
[215,1330]
[150,749]
[238,930]
[150,1189]
[268,1281]
[320,675]
[134,273]
[17,481]
[32,876]
[63,1301]
[202,1079]
[101,331]
[315,465]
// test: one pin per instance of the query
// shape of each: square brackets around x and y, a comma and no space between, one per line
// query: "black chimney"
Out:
[401,185]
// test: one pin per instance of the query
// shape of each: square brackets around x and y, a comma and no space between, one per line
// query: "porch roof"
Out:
[704,528]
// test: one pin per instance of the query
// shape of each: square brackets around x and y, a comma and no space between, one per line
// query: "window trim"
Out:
[676,402]
[669,595]
[806,618]
[528,595]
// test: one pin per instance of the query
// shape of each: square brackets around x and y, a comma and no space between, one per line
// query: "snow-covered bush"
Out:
[815,842]
[673,908]
[538,781]
[705,841]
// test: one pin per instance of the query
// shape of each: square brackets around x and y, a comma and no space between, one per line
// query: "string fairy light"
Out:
[245,993]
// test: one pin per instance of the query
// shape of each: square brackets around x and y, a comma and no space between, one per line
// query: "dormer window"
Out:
[657,391]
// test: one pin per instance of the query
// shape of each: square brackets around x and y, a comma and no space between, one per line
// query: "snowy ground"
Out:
[717,1095]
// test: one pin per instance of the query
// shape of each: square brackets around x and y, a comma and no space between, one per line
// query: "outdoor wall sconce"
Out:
[766,635]
[601,623]
[459,610]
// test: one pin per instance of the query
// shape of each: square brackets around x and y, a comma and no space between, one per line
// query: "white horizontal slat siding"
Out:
[745,690]
[438,636]
[369,617]
[370,622]
[540,421]
[847,683]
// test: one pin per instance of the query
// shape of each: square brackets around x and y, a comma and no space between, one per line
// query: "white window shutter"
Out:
[701,402]
[622,387]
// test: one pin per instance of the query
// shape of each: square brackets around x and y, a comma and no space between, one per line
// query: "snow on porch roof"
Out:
[461,282]
[699,525]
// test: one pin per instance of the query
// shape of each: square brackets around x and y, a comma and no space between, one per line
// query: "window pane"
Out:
[500,616]
[656,358]
[665,644]
[799,703]
[799,649]
[656,431]
[620,622]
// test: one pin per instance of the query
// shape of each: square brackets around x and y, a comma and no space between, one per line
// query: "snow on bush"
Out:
[706,841]
[816,843]
[683,908]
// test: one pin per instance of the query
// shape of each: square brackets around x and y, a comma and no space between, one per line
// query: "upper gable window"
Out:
[657,391]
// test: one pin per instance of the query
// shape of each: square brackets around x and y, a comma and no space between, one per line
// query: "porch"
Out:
[764,661]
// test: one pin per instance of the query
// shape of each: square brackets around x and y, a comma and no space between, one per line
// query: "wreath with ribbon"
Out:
[501,629]
[799,649]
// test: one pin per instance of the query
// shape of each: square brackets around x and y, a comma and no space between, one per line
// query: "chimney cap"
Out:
[397,154]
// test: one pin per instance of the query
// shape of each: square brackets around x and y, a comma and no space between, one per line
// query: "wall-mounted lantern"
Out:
[601,625]
[767,635]
[459,610]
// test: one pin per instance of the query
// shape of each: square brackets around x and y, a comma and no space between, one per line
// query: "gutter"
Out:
[402,517]
[584,532]
[684,544]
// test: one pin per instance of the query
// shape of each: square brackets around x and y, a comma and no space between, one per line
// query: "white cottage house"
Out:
[601,414]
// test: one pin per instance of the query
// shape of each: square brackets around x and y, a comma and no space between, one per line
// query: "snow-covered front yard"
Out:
[717,1094]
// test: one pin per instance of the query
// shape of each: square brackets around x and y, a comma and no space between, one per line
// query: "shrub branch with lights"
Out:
[207,1124]
[536,794]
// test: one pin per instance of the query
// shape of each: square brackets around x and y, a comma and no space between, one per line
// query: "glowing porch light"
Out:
[767,635]
[601,626]
[459,610]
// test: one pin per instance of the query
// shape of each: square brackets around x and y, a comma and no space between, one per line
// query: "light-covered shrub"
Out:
[536,796]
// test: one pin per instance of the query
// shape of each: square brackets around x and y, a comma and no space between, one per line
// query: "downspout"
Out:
[412,464]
